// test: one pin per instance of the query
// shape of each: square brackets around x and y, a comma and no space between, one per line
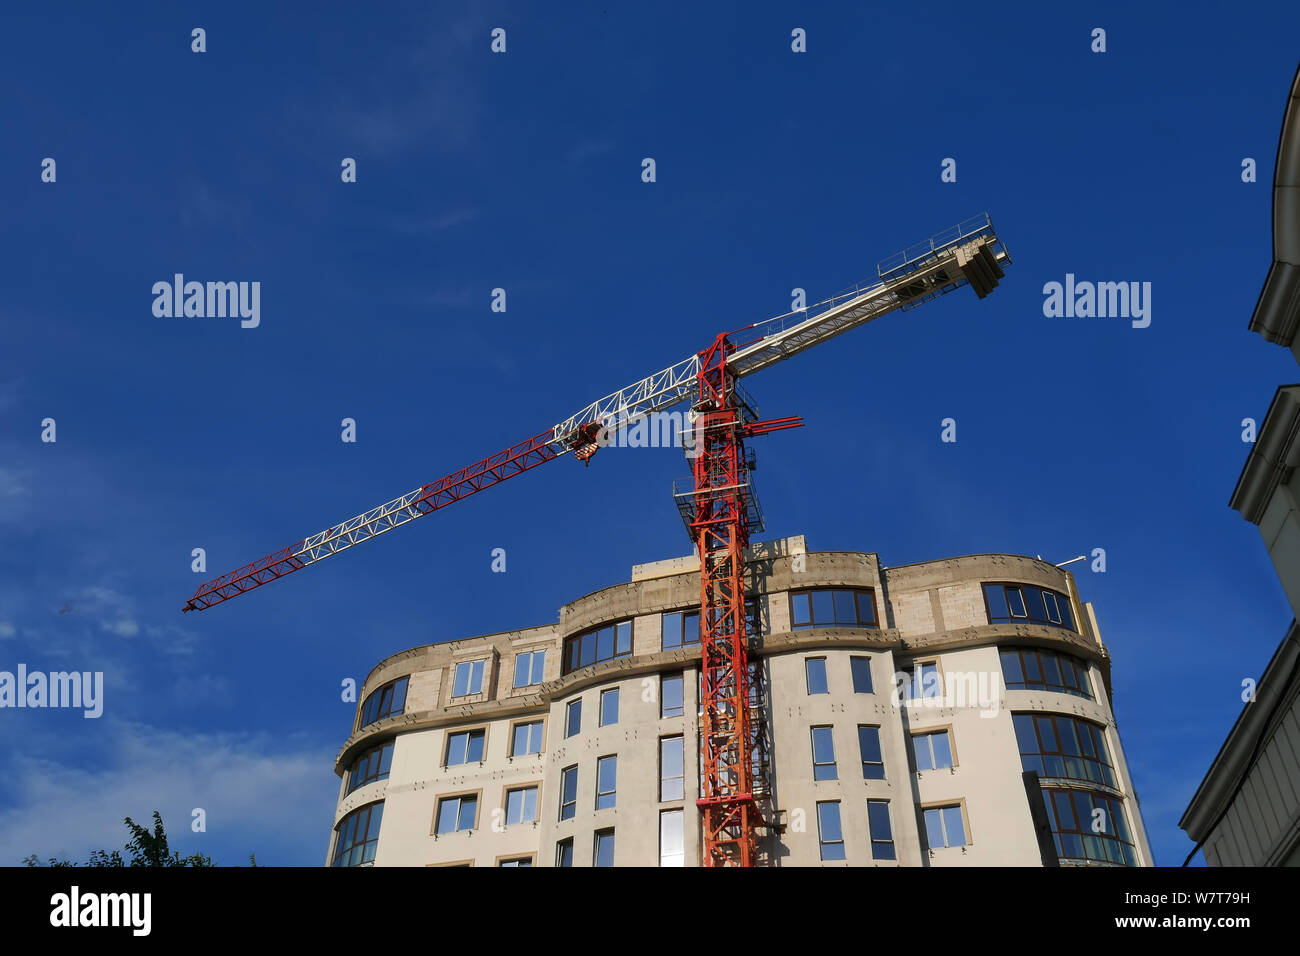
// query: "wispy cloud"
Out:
[437,223]
[200,204]
[9,392]
[585,149]
[424,97]
[15,494]
[123,627]
[457,298]
[114,612]
[260,796]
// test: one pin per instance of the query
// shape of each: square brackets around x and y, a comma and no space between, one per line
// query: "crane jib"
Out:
[969,253]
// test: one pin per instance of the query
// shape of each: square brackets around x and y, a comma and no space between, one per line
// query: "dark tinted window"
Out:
[829,832]
[861,667]
[384,702]
[1032,668]
[1010,603]
[1080,833]
[832,607]
[568,793]
[1057,746]
[597,645]
[372,765]
[882,835]
[823,753]
[573,717]
[358,835]
[873,762]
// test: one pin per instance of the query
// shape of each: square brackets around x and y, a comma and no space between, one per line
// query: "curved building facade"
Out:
[950,713]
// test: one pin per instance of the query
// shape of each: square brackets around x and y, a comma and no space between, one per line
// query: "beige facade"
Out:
[849,785]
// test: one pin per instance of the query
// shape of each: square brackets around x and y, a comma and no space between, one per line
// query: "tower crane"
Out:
[720,510]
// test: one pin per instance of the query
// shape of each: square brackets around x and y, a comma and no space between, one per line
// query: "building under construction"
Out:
[956,712]
[516,747]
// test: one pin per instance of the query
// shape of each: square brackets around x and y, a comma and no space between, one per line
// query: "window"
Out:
[945,827]
[372,765]
[564,852]
[517,861]
[829,833]
[358,835]
[833,607]
[933,751]
[469,678]
[573,717]
[606,782]
[815,672]
[681,628]
[672,845]
[1054,745]
[861,668]
[1011,603]
[1072,814]
[1032,668]
[672,768]
[609,707]
[529,668]
[568,793]
[465,747]
[873,761]
[670,695]
[603,852]
[823,754]
[922,680]
[384,702]
[599,644]
[526,738]
[521,805]
[457,813]
[882,834]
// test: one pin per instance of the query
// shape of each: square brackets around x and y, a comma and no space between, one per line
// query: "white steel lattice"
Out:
[968,253]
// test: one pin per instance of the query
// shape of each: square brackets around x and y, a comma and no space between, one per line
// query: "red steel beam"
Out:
[729,813]
[425,500]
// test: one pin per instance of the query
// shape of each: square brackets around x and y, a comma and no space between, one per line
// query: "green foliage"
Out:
[145,848]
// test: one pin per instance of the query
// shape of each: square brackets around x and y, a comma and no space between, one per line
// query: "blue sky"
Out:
[775,170]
